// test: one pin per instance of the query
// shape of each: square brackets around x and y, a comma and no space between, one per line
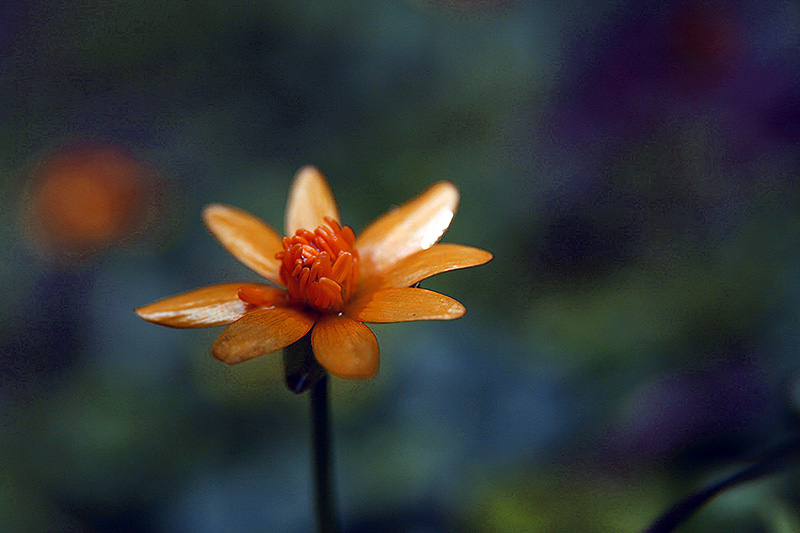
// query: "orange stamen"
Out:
[256,295]
[320,268]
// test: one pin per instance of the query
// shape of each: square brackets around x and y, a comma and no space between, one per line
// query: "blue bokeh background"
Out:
[632,166]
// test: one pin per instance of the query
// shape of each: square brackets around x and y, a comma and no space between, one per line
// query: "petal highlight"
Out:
[414,226]
[345,347]
[310,201]
[247,238]
[404,305]
[424,264]
[208,306]
[261,332]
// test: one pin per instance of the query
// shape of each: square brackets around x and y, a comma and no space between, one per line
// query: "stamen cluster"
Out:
[320,268]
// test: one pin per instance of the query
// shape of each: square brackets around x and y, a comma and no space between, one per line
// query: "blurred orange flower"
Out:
[331,281]
[85,197]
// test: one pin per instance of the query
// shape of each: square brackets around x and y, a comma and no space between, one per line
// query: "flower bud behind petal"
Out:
[300,367]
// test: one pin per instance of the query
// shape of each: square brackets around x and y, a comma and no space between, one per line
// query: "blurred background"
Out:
[632,166]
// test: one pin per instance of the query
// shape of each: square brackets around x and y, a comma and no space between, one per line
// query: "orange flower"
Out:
[331,281]
[85,197]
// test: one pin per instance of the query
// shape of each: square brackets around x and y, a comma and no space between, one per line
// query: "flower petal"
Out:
[424,264]
[247,238]
[404,305]
[261,332]
[208,306]
[310,201]
[414,226]
[346,348]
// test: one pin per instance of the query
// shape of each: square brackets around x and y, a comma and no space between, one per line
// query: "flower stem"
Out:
[327,514]
[776,459]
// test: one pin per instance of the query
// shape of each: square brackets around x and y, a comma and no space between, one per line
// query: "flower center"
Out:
[320,268]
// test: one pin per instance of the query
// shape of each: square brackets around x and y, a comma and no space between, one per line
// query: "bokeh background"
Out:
[632,165]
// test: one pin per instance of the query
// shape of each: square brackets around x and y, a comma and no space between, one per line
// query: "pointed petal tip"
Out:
[469,256]
[447,190]
[222,352]
[367,370]
[484,256]
[449,186]
[361,373]
[219,356]
[214,209]
[307,170]
[455,311]
[367,373]
[225,357]
[143,313]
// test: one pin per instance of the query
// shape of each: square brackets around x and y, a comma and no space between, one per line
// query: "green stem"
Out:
[327,514]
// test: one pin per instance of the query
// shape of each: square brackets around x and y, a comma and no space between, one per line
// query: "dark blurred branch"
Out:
[777,458]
